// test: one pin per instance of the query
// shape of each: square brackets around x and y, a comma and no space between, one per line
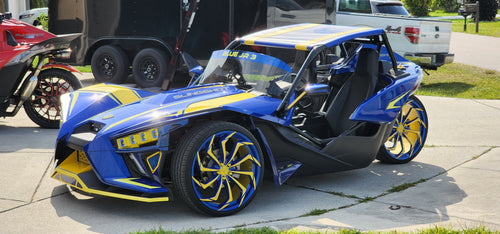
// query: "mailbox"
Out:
[469,9]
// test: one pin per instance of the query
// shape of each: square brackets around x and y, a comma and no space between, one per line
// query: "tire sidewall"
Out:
[118,57]
[53,72]
[160,59]
[185,155]
[386,157]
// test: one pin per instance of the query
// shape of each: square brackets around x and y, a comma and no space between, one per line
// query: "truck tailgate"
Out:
[433,36]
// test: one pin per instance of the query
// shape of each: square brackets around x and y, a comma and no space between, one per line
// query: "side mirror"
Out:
[189,61]
[196,72]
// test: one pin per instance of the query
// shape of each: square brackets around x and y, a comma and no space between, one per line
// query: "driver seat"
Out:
[357,88]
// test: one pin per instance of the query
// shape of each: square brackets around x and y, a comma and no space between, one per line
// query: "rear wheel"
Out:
[43,107]
[217,168]
[110,64]
[408,134]
[150,67]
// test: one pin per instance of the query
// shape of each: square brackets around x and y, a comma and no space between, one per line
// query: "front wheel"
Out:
[43,107]
[408,134]
[217,168]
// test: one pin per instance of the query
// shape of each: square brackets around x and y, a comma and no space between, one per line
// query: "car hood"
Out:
[169,106]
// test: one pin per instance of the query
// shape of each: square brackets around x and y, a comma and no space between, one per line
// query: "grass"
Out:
[315,212]
[404,186]
[462,81]
[266,230]
[84,68]
[486,28]
[439,13]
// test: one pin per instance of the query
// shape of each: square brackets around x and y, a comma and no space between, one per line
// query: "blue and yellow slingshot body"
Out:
[294,100]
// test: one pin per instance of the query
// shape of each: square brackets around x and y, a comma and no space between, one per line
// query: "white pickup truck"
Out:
[423,41]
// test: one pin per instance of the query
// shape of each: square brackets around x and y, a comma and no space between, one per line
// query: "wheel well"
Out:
[130,46]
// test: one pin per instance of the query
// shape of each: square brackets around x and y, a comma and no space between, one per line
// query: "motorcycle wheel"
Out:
[408,134]
[217,168]
[43,107]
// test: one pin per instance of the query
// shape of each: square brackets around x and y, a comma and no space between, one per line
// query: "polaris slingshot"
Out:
[294,100]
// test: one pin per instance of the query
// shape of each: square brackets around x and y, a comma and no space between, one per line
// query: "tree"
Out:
[2,6]
[418,7]
[38,3]
[487,9]
[448,5]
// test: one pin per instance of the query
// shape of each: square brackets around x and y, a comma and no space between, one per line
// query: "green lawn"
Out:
[438,13]
[486,28]
[462,81]
[434,230]
[84,68]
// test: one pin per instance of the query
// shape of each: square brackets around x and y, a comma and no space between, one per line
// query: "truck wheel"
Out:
[43,107]
[110,64]
[150,67]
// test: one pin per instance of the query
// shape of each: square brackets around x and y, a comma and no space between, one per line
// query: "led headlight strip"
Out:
[138,139]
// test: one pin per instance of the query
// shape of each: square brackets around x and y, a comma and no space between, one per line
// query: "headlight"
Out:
[65,102]
[144,138]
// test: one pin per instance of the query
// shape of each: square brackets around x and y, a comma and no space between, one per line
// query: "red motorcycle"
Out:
[29,75]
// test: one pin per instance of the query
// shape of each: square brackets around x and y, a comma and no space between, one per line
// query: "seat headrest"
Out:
[367,61]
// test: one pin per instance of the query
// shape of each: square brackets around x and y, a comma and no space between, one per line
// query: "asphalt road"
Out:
[459,166]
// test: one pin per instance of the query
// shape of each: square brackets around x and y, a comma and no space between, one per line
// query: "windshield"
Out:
[242,67]
[392,8]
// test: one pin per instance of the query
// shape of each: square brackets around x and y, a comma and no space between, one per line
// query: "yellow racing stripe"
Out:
[217,102]
[303,46]
[120,94]
[251,41]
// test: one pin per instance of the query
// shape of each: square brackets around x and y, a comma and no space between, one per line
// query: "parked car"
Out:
[388,7]
[423,41]
[33,16]
[294,100]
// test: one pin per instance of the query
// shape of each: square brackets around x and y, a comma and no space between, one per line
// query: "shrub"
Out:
[487,9]
[418,7]
[448,5]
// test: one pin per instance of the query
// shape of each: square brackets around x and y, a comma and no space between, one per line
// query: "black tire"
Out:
[203,188]
[43,107]
[110,64]
[150,67]
[408,135]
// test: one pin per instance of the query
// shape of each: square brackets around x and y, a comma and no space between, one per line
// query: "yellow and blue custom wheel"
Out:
[408,134]
[217,168]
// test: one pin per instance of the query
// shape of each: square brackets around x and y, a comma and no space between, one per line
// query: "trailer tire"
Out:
[110,64]
[150,67]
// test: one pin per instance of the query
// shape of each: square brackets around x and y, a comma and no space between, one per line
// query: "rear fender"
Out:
[65,67]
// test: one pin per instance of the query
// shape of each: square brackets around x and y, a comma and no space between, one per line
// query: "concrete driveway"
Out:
[455,177]
[477,50]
